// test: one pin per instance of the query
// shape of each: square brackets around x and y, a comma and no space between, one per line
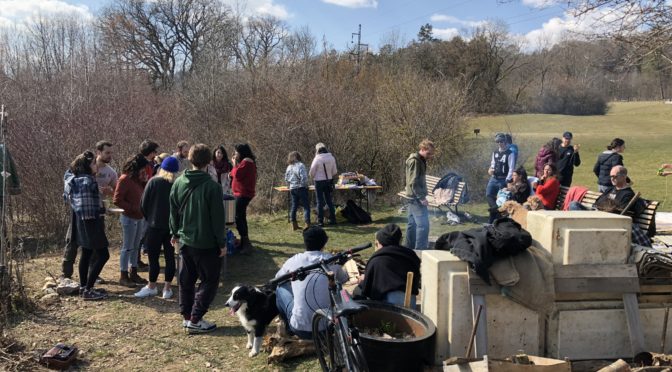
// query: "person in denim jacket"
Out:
[296,177]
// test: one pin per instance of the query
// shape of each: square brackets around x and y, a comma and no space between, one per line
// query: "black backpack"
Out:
[355,214]
[450,181]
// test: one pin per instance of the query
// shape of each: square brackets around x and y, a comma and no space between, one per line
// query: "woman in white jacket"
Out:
[322,171]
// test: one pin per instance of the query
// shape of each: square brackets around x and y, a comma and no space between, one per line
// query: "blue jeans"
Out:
[494,185]
[397,298]
[417,229]
[131,234]
[577,206]
[300,195]
[323,194]
[284,300]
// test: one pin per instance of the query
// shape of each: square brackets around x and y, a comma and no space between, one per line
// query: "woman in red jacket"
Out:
[243,184]
[548,186]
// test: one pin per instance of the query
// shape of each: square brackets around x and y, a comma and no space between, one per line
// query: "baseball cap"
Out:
[567,135]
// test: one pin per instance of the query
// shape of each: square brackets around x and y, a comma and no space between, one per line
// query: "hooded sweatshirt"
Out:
[201,224]
[416,169]
[320,163]
[386,272]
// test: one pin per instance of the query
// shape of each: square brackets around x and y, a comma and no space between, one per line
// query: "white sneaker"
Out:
[201,327]
[146,292]
[167,293]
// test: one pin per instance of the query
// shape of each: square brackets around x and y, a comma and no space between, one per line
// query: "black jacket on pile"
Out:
[386,272]
[483,246]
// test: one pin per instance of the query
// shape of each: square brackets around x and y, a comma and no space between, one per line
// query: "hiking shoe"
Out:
[90,295]
[146,292]
[167,293]
[203,326]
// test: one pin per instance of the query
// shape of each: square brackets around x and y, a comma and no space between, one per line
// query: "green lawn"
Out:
[646,128]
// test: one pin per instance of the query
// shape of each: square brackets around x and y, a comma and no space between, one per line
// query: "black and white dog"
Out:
[255,309]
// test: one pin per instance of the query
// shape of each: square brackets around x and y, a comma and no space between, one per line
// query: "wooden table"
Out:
[368,189]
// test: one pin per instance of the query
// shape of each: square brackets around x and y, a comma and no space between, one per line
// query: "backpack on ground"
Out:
[355,214]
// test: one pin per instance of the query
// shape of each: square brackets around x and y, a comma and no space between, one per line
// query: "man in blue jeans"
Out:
[298,300]
[502,165]
[417,229]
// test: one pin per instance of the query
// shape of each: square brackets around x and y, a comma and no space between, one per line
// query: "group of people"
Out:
[162,199]
[323,171]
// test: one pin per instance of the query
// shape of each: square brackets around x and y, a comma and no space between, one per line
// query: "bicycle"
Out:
[336,339]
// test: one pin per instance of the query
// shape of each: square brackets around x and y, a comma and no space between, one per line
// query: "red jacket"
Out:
[127,196]
[244,179]
[548,192]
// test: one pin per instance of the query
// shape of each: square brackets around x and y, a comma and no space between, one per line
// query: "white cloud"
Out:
[17,12]
[454,20]
[260,8]
[540,3]
[353,3]
[445,33]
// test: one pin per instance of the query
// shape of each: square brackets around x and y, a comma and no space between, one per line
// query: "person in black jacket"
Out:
[155,205]
[385,276]
[606,161]
[568,158]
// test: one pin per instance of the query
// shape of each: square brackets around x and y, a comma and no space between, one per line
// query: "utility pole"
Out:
[357,51]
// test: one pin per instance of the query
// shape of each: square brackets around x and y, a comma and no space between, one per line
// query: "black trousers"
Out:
[70,250]
[154,240]
[203,264]
[91,264]
[241,215]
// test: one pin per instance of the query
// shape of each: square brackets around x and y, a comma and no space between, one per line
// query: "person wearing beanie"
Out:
[298,300]
[155,205]
[385,276]
[322,171]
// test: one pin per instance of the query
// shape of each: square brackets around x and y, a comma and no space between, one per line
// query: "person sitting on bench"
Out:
[616,198]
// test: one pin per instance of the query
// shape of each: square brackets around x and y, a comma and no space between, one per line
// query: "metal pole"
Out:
[3,227]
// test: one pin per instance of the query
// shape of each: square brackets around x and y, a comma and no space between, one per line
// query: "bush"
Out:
[574,100]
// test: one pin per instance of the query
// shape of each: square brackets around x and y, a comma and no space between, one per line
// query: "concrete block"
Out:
[581,237]
[603,334]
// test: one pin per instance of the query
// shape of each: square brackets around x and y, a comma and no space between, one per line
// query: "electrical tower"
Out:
[357,50]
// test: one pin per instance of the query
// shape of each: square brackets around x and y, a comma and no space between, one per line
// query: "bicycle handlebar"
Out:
[298,273]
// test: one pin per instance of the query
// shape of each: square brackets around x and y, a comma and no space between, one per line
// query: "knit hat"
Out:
[500,137]
[170,164]
[567,135]
[319,146]
[389,235]
[314,238]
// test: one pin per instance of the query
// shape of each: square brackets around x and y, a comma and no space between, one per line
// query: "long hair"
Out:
[134,165]
[244,150]
[554,169]
[82,163]
[522,173]
[225,155]
[293,157]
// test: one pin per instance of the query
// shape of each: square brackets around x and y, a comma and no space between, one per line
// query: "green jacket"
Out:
[416,169]
[202,222]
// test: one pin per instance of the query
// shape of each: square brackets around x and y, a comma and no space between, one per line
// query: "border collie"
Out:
[255,310]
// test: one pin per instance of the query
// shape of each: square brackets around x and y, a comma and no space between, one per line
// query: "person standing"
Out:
[568,158]
[417,229]
[243,184]
[127,196]
[220,167]
[83,194]
[548,154]
[106,178]
[155,204]
[149,149]
[197,225]
[296,177]
[606,161]
[502,164]
[322,171]
[181,155]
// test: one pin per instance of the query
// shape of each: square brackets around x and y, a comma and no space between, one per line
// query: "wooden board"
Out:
[596,278]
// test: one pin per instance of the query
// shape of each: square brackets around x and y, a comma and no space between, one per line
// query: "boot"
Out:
[295,226]
[135,278]
[125,281]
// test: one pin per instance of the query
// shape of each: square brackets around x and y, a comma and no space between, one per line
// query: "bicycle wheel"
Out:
[326,344]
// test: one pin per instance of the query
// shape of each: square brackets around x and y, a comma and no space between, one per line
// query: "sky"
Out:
[533,22]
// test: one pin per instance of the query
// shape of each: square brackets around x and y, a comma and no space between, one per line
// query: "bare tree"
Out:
[258,43]
[164,37]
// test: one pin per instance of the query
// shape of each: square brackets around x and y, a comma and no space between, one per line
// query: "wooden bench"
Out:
[644,219]
[431,201]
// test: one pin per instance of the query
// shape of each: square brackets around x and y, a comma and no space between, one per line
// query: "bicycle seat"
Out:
[349,307]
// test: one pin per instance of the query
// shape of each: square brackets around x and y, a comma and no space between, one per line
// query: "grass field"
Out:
[125,333]
[646,128]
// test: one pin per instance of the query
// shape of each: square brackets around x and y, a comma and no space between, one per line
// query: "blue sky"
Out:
[533,22]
